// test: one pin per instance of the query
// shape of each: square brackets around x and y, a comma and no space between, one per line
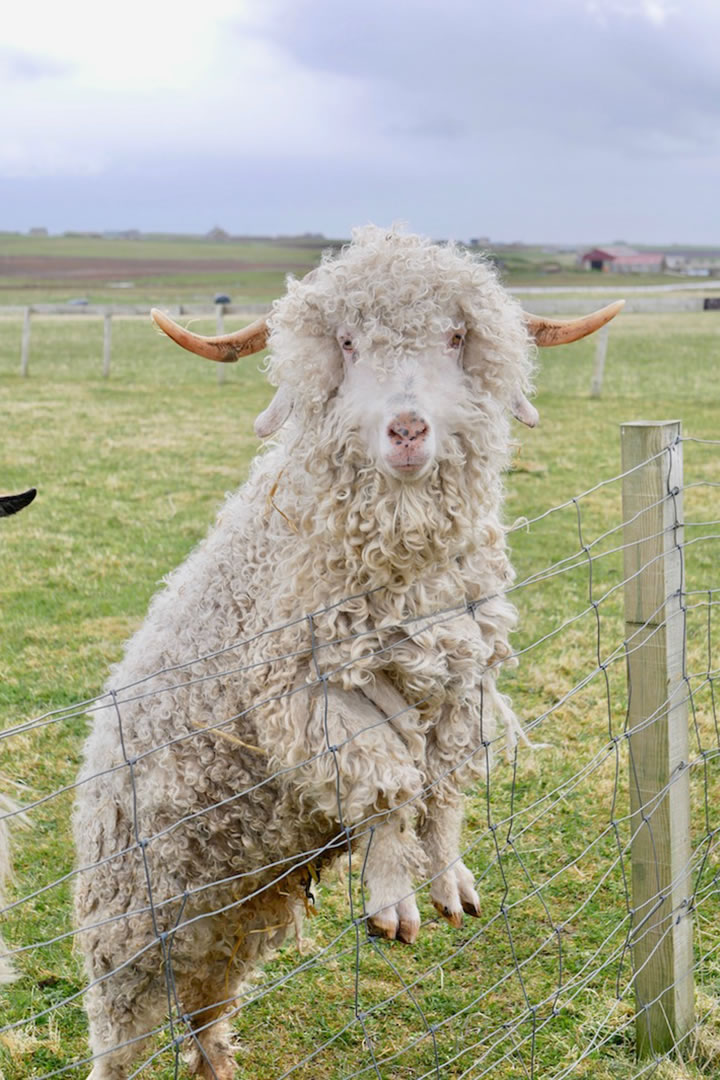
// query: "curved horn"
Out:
[226,349]
[548,332]
[272,419]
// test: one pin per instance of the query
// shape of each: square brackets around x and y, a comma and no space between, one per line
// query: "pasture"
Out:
[169,269]
[130,471]
[177,269]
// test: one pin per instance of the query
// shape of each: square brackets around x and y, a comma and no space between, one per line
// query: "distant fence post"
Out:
[107,342]
[220,329]
[659,778]
[25,343]
[601,344]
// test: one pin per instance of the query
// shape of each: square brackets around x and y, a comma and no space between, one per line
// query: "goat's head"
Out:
[403,343]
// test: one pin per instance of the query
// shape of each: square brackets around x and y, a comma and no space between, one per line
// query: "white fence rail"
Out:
[106,312]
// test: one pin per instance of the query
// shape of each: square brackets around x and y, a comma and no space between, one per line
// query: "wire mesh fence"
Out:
[544,980]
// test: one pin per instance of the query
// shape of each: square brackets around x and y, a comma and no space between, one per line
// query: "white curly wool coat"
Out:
[360,724]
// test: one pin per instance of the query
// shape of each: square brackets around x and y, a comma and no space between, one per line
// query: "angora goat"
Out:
[211,784]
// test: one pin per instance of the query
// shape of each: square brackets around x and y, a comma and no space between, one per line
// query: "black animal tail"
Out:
[10,504]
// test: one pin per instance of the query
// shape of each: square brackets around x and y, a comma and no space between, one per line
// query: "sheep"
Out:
[229,760]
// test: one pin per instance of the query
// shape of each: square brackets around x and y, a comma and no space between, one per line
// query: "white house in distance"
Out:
[693,261]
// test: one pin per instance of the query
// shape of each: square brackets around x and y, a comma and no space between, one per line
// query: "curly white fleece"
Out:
[316,528]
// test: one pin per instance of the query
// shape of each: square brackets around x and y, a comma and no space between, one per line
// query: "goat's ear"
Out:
[523,411]
[272,419]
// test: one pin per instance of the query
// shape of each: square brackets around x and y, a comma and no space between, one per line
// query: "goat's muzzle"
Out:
[408,443]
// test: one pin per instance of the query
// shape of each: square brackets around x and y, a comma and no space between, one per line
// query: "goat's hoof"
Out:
[453,917]
[471,907]
[400,922]
[408,930]
[452,893]
[382,926]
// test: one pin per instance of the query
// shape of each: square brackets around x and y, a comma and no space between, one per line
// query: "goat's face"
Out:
[397,353]
[402,402]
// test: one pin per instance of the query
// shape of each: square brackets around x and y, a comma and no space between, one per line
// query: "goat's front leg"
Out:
[351,765]
[452,885]
[458,752]
[392,858]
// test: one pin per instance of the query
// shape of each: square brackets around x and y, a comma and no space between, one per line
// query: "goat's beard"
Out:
[366,529]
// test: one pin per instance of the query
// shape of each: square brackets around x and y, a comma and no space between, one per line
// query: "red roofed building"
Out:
[620,259]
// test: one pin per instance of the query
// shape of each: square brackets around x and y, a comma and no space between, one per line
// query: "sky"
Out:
[568,121]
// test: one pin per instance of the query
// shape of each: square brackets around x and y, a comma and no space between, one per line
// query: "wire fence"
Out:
[550,978]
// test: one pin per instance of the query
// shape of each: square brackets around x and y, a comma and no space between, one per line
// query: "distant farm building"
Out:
[693,261]
[621,259]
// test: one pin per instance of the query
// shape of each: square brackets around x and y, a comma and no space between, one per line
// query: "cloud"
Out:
[646,76]
[16,65]
[467,117]
[654,11]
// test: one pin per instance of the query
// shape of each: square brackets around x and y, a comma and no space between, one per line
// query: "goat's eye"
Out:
[456,341]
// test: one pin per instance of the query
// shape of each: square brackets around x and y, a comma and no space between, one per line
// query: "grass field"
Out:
[130,471]
[177,269]
[169,269]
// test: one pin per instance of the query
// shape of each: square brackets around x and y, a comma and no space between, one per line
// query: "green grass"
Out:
[261,281]
[153,247]
[517,275]
[243,287]
[521,267]
[130,471]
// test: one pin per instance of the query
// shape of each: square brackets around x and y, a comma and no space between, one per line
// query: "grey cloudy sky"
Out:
[567,120]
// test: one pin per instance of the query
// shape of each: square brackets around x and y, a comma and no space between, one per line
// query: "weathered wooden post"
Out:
[661,938]
[107,342]
[601,344]
[25,343]
[220,329]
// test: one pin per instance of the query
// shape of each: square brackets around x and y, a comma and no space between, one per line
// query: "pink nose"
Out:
[407,429]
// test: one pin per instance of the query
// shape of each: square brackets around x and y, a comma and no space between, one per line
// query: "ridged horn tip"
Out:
[548,332]
[225,349]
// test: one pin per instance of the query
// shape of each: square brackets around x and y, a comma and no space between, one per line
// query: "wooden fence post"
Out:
[220,329]
[601,344]
[661,936]
[25,343]
[107,342]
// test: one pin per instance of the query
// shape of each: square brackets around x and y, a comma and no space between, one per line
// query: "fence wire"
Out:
[543,982]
